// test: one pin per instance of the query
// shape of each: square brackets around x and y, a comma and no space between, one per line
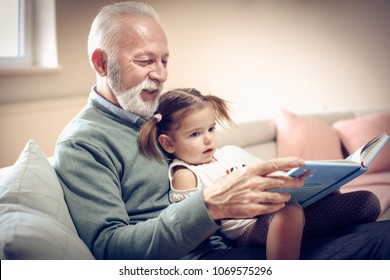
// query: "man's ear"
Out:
[166,143]
[99,62]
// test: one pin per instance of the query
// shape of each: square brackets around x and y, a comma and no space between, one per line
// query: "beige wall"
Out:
[262,56]
[41,121]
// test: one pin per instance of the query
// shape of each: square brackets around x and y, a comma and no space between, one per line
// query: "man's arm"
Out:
[113,229]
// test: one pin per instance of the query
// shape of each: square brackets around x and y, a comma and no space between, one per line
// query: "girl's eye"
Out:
[195,134]
[212,129]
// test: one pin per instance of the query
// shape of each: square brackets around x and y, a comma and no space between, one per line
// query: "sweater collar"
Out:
[115,110]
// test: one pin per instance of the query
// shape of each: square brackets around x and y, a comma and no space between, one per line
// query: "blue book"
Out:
[326,176]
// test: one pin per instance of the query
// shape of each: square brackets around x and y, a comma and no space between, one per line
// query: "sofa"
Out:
[35,222]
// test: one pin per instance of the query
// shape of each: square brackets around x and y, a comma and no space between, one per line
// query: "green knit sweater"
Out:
[118,199]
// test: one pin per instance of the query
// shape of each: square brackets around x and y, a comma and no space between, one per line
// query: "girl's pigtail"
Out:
[147,141]
[222,110]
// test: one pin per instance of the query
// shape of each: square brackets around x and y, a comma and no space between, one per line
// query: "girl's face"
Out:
[195,140]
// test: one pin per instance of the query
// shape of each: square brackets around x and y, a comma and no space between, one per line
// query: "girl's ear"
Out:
[166,142]
[99,62]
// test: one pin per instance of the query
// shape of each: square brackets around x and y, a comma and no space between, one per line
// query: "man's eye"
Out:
[143,62]
[165,63]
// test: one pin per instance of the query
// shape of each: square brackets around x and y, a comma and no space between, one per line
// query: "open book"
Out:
[325,176]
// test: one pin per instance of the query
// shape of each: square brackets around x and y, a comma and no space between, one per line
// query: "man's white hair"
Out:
[106,25]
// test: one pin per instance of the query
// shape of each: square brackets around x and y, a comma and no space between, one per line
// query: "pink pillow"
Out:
[354,133]
[306,137]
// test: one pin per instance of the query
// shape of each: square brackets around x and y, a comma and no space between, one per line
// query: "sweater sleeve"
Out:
[94,195]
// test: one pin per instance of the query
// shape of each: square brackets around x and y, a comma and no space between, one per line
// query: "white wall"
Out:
[261,55]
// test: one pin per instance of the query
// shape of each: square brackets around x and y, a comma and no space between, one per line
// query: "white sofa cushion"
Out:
[32,182]
[27,234]
[257,137]
[34,213]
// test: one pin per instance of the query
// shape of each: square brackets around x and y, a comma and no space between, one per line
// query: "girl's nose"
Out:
[207,139]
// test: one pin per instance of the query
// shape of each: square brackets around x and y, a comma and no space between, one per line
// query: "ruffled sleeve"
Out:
[179,195]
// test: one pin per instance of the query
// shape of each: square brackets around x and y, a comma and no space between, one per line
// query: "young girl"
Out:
[184,127]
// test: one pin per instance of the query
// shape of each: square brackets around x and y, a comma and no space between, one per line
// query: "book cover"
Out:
[326,176]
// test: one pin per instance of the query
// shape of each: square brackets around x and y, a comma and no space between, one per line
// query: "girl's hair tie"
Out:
[157,117]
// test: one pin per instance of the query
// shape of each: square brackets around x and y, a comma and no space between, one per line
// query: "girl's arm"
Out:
[183,179]
[183,184]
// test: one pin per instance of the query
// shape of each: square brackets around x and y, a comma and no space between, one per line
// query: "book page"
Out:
[365,154]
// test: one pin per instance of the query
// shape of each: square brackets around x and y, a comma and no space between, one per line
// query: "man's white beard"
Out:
[130,99]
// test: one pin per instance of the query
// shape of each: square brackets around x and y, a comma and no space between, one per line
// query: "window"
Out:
[15,28]
[28,32]
[9,46]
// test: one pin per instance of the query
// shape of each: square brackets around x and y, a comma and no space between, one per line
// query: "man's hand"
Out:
[243,193]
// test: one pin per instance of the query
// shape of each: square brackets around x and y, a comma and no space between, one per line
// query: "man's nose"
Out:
[159,72]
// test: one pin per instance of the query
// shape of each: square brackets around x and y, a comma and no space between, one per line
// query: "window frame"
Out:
[38,49]
[25,47]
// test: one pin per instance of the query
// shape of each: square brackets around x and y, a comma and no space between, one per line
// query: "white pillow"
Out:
[27,234]
[33,183]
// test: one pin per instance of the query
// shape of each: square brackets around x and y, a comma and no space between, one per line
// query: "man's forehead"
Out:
[146,34]
[142,26]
